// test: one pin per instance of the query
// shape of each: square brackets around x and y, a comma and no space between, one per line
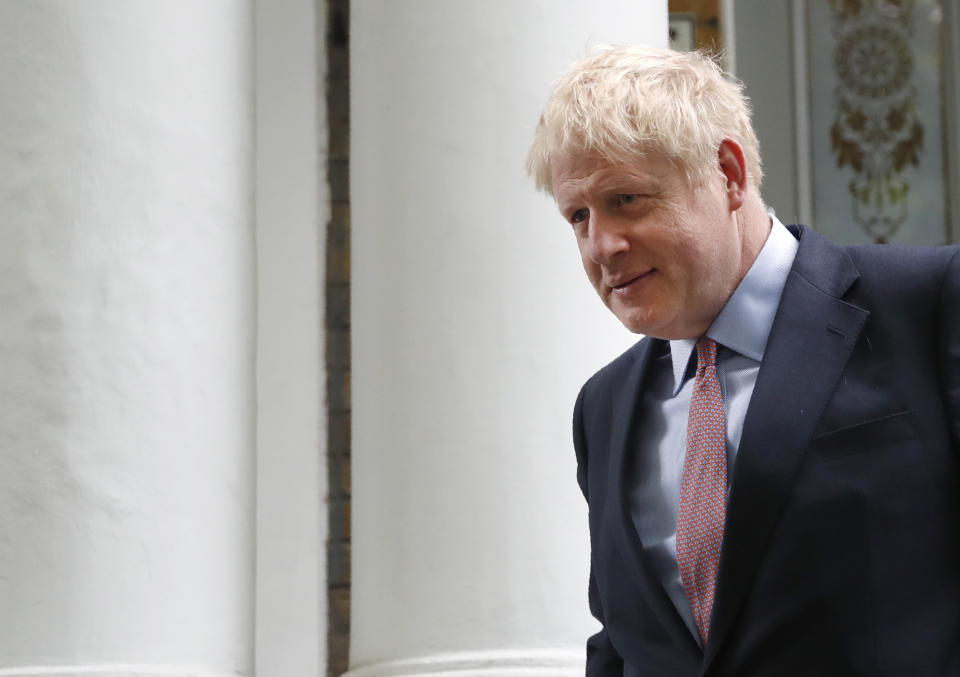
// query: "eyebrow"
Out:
[628,183]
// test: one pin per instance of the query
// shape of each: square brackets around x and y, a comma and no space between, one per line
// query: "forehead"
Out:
[573,173]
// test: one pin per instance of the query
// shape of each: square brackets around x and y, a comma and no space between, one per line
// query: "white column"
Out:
[292,211]
[126,338]
[473,328]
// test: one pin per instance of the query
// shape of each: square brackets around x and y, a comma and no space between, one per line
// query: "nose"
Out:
[605,239]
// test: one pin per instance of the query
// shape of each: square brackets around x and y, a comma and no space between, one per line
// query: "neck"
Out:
[754,222]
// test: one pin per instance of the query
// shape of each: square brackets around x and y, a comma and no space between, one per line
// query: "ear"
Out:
[734,167]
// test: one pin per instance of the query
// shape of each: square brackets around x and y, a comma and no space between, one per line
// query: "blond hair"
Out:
[625,102]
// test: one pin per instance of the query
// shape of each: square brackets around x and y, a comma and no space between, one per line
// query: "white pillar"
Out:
[126,338]
[473,328]
[292,210]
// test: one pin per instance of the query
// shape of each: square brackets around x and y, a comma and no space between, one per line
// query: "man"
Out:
[772,474]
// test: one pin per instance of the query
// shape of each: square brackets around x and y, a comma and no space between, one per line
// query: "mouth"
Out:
[627,283]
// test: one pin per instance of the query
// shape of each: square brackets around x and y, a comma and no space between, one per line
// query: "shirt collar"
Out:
[744,323]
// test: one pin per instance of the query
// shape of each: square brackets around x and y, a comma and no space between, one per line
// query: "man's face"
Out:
[664,257]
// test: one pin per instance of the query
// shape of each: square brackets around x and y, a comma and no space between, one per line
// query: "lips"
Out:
[623,282]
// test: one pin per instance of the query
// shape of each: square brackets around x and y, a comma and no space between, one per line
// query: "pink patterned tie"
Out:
[703,490]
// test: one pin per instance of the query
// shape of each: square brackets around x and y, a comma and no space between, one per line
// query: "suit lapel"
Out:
[812,337]
[623,443]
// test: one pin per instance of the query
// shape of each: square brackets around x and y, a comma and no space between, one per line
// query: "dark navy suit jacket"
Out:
[842,544]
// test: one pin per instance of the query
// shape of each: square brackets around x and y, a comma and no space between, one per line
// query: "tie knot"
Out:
[706,353]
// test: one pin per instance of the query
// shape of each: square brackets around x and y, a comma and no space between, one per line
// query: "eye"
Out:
[579,216]
[626,198]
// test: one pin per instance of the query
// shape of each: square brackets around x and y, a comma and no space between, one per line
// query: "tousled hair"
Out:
[623,103]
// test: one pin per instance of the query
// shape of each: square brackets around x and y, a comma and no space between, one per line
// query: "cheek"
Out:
[696,267]
[715,271]
[590,267]
[593,273]
[685,253]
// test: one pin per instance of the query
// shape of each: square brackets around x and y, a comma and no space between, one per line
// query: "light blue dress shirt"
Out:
[741,331]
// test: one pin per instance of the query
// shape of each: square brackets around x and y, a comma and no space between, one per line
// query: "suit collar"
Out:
[813,334]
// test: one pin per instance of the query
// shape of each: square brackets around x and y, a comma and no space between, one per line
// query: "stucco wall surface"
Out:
[126,338]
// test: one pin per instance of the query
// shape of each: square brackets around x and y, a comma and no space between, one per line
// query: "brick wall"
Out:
[338,334]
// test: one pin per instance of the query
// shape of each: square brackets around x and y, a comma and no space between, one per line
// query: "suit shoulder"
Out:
[904,281]
[899,263]
[598,399]
[612,375]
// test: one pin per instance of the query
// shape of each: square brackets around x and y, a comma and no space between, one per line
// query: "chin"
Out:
[639,325]
[635,330]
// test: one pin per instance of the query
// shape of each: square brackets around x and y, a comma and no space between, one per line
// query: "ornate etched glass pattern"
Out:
[878,158]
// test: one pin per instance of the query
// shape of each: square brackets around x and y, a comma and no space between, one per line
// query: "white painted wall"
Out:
[473,329]
[292,211]
[126,338]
